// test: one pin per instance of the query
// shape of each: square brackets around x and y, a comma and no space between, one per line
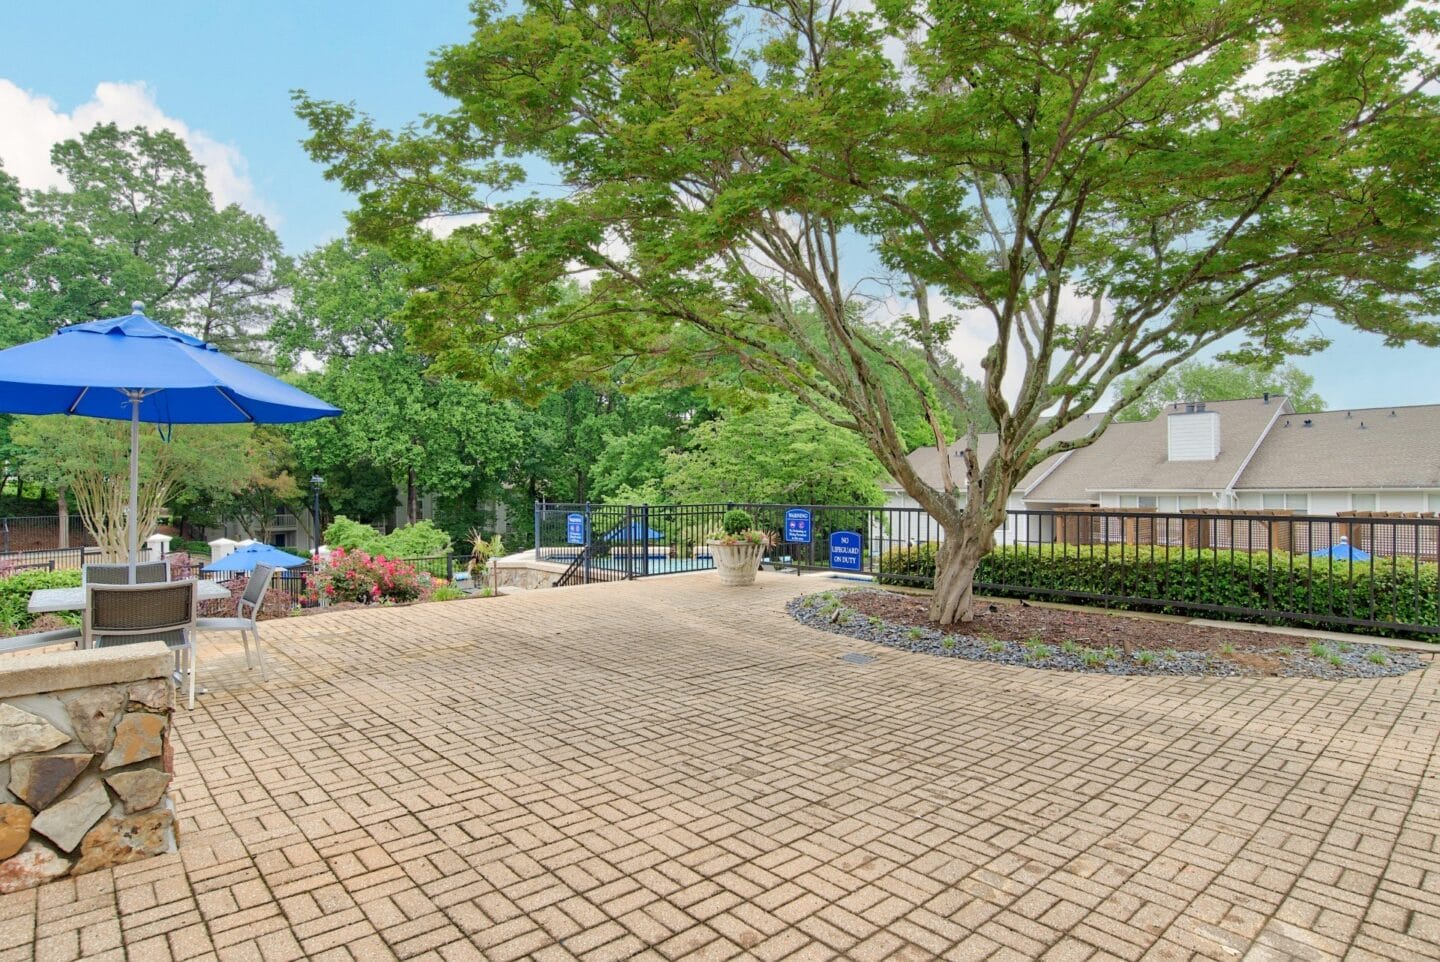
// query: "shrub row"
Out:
[15,591]
[419,540]
[1402,592]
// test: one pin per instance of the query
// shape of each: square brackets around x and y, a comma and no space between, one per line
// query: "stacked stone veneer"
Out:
[528,575]
[85,762]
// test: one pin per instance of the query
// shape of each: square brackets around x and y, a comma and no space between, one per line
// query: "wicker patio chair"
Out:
[130,614]
[146,573]
[247,615]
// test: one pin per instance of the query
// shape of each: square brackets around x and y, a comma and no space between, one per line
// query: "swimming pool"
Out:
[657,566]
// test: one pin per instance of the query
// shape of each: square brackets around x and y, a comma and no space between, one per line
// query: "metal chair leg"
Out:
[260,652]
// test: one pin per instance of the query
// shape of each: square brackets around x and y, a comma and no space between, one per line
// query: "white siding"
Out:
[1329,502]
[1162,501]
[1399,501]
[1194,437]
[900,499]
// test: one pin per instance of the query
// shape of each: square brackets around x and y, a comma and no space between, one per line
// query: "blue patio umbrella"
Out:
[634,531]
[131,368]
[246,558]
[1343,551]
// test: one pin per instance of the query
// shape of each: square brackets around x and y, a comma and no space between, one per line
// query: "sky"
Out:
[220,75]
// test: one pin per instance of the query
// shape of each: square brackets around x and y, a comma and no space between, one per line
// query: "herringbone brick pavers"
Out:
[669,769]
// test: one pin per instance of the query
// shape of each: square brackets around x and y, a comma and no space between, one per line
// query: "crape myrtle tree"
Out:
[1107,186]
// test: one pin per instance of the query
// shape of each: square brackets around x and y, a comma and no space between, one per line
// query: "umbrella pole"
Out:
[133,520]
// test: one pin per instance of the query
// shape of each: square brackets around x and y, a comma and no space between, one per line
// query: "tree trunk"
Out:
[62,517]
[955,564]
[412,497]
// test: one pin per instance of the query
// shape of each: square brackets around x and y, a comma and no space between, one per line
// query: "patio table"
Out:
[73,599]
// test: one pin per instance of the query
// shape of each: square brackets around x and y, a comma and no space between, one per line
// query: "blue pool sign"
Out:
[797,526]
[574,528]
[845,553]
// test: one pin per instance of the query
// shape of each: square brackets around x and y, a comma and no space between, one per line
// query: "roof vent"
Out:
[1189,408]
[1349,415]
[1287,422]
[1199,406]
[1267,397]
[1362,425]
[1308,423]
[1392,414]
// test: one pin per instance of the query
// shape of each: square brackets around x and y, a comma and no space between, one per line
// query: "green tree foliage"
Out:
[1107,184]
[345,302]
[1201,381]
[423,433]
[269,486]
[141,199]
[591,441]
[419,540]
[53,274]
[777,452]
[435,435]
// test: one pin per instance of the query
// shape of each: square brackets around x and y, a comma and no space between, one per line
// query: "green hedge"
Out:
[15,596]
[1376,591]
[419,540]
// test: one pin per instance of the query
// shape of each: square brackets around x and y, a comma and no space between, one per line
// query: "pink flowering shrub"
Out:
[360,577]
[183,566]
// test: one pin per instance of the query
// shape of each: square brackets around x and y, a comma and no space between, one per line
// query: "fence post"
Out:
[644,540]
[449,567]
[535,532]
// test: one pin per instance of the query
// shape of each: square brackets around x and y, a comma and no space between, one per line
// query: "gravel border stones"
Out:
[827,611]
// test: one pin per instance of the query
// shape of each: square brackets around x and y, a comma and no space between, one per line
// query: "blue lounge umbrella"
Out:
[634,531]
[131,368]
[246,558]
[1343,551]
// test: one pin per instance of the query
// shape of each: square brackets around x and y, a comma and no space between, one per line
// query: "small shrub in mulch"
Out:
[1015,633]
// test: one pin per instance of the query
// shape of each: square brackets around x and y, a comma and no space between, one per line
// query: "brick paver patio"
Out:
[669,769]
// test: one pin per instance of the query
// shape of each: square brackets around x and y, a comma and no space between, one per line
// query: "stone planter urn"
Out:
[737,563]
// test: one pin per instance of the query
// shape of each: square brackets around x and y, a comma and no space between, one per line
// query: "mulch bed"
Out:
[1020,621]
[1018,633]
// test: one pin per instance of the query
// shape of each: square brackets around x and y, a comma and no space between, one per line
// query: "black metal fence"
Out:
[1355,571]
[41,533]
[52,560]
[616,542]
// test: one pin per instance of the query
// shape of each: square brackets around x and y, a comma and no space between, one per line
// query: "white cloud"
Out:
[30,124]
